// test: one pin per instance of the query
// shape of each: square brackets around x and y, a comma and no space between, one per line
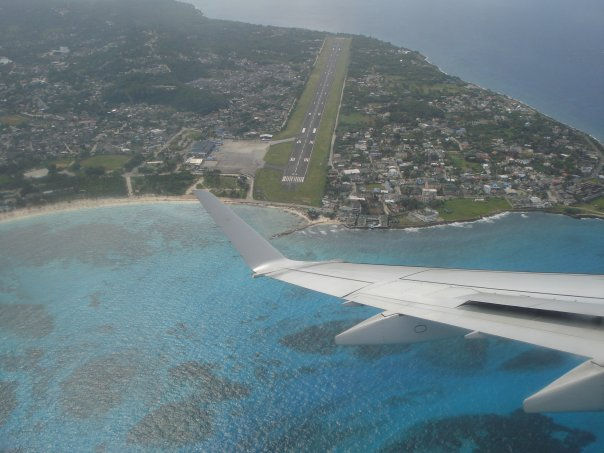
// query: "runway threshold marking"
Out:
[318,106]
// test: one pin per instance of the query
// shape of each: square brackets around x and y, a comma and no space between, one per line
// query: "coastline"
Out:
[86,203]
[536,109]
[299,211]
[93,203]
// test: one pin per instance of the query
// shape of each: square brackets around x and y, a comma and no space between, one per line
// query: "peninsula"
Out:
[107,99]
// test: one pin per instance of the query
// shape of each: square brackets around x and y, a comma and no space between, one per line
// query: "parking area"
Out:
[239,156]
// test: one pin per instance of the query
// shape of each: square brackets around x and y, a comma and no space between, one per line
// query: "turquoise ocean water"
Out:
[139,328]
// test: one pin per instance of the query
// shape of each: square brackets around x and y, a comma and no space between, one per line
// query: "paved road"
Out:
[297,167]
[128,177]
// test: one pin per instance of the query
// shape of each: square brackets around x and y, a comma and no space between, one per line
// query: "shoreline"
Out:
[93,203]
[509,96]
[299,211]
[86,203]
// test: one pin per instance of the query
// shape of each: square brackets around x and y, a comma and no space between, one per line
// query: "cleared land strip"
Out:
[297,166]
[268,184]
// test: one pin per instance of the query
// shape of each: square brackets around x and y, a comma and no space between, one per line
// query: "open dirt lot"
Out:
[239,156]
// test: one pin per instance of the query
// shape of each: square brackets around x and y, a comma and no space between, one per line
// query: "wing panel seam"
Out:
[501,289]
[452,312]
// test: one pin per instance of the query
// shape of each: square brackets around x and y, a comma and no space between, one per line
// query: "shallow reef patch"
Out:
[413,397]
[184,233]
[98,386]
[180,330]
[534,359]
[95,299]
[377,351]
[189,420]
[456,353]
[318,338]
[173,425]
[208,386]
[26,362]
[112,244]
[312,431]
[8,400]
[491,433]
[26,320]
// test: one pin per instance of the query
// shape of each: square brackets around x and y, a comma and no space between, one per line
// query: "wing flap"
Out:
[528,283]
[539,303]
[574,337]
[559,311]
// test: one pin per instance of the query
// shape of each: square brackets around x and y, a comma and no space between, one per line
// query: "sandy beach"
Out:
[92,203]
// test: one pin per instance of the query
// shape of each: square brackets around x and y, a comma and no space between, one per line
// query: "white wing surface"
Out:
[558,311]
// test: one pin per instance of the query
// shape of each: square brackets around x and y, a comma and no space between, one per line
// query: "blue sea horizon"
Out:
[138,328]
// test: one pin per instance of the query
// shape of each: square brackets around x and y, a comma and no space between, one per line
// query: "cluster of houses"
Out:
[260,98]
[465,142]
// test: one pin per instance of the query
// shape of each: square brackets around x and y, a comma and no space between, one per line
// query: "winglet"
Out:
[258,254]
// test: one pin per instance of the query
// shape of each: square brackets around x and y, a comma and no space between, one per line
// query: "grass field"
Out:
[355,120]
[109,162]
[224,186]
[467,208]
[594,206]
[172,184]
[398,81]
[458,161]
[267,185]
[278,155]
[222,182]
[438,88]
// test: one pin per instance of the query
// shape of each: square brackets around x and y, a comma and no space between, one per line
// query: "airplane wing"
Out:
[558,311]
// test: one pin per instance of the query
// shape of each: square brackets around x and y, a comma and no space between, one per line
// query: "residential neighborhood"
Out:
[446,140]
[413,145]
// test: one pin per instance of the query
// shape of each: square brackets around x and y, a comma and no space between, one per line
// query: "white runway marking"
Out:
[304,145]
[292,179]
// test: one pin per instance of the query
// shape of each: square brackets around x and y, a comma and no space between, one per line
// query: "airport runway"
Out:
[299,160]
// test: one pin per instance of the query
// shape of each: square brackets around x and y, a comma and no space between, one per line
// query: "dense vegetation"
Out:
[139,50]
[172,184]
[58,187]
[138,88]
[225,186]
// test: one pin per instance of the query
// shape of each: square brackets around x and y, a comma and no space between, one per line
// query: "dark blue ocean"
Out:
[139,328]
[547,53]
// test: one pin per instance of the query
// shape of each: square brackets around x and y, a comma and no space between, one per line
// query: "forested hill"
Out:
[135,50]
